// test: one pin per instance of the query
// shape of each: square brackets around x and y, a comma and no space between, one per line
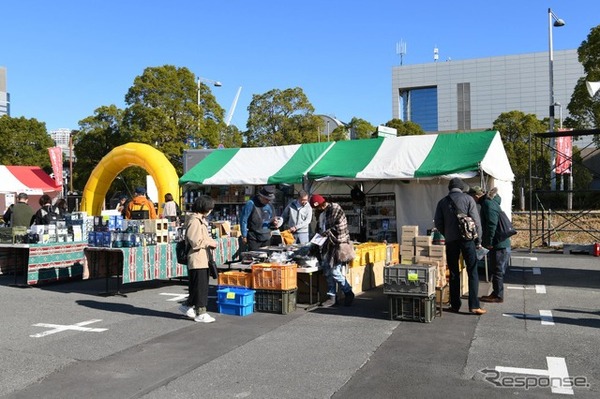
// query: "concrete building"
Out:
[471,94]
[4,96]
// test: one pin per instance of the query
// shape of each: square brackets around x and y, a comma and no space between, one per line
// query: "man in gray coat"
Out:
[446,222]
[298,215]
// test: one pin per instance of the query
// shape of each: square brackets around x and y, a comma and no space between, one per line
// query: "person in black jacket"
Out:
[446,222]
[45,214]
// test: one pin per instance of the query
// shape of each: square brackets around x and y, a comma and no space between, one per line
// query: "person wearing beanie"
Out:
[446,222]
[256,219]
[333,225]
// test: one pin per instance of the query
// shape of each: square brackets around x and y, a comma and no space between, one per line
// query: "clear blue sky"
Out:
[65,58]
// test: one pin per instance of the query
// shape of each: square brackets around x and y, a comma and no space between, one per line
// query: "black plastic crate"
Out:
[413,308]
[272,301]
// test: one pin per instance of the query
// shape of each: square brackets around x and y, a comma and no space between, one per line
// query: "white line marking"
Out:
[557,371]
[60,328]
[546,317]
[522,316]
[534,270]
[537,270]
[176,297]
[540,289]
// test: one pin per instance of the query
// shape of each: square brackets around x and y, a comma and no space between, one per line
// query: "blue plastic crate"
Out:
[236,310]
[235,296]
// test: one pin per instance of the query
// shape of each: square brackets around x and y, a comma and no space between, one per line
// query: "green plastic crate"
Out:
[413,308]
[272,301]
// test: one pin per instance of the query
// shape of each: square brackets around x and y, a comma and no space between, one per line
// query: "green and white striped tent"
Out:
[425,162]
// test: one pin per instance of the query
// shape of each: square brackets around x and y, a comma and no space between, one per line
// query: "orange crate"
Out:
[268,276]
[235,279]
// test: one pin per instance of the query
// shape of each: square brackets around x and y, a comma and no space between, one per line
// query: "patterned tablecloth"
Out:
[43,263]
[153,262]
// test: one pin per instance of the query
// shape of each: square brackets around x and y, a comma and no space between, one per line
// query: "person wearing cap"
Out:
[332,224]
[19,214]
[140,203]
[499,250]
[446,222]
[298,215]
[256,219]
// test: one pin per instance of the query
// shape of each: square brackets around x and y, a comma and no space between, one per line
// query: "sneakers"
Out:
[204,318]
[329,302]
[493,298]
[349,297]
[188,311]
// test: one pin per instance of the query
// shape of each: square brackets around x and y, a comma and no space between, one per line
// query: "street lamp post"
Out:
[557,22]
[215,83]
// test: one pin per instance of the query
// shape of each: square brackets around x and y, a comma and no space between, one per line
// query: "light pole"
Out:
[215,83]
[557,22]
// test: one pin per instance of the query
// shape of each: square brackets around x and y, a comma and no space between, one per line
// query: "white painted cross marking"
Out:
[74,327]
[557,372]
[176,297]
[539,289]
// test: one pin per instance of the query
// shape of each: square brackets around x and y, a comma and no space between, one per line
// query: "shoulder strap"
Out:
[452,204]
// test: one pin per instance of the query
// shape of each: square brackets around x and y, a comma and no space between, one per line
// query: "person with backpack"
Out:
[140,203]
[499,249]
[46,213]
[447,222]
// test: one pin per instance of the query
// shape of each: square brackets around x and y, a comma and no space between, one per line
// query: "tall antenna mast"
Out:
[401,50]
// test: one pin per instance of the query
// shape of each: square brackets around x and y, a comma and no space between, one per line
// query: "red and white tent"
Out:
[26,179]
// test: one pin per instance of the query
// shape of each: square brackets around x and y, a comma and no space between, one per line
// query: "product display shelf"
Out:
[380,218]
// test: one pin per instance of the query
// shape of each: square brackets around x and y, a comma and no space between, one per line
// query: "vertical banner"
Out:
[564,154]
[57,164]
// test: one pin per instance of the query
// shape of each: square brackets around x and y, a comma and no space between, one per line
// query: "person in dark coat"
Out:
[499,250]
[446,222]
[19,214]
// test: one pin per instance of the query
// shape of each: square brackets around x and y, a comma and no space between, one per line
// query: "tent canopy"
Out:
[394,158]
[26,179]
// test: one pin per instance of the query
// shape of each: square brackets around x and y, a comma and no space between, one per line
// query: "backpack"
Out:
[505,228]
[181,252]
[466,224]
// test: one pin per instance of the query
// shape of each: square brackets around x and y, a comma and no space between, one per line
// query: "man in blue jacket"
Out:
[499,250]
[446,222]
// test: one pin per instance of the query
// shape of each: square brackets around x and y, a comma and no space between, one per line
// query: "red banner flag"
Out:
[57,164]
[564,155]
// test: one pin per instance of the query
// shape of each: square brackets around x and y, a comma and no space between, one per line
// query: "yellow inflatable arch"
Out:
[121,158]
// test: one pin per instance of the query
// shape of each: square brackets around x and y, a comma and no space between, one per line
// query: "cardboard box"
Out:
[377,274]
[407,241]
[410,231]
[359,278]
[437,251]
[224,227]
[421,251]
[423,241]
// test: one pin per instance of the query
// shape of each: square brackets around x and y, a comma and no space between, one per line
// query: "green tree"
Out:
[280,117]
[167,109]
[584,110]
[514,128]
[360,128]
[97,136]
[24,142]
[405,128]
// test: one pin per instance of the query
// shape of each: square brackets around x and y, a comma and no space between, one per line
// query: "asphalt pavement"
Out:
[68,340]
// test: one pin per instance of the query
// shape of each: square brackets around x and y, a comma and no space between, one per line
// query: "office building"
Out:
[469,95]
[4,96]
